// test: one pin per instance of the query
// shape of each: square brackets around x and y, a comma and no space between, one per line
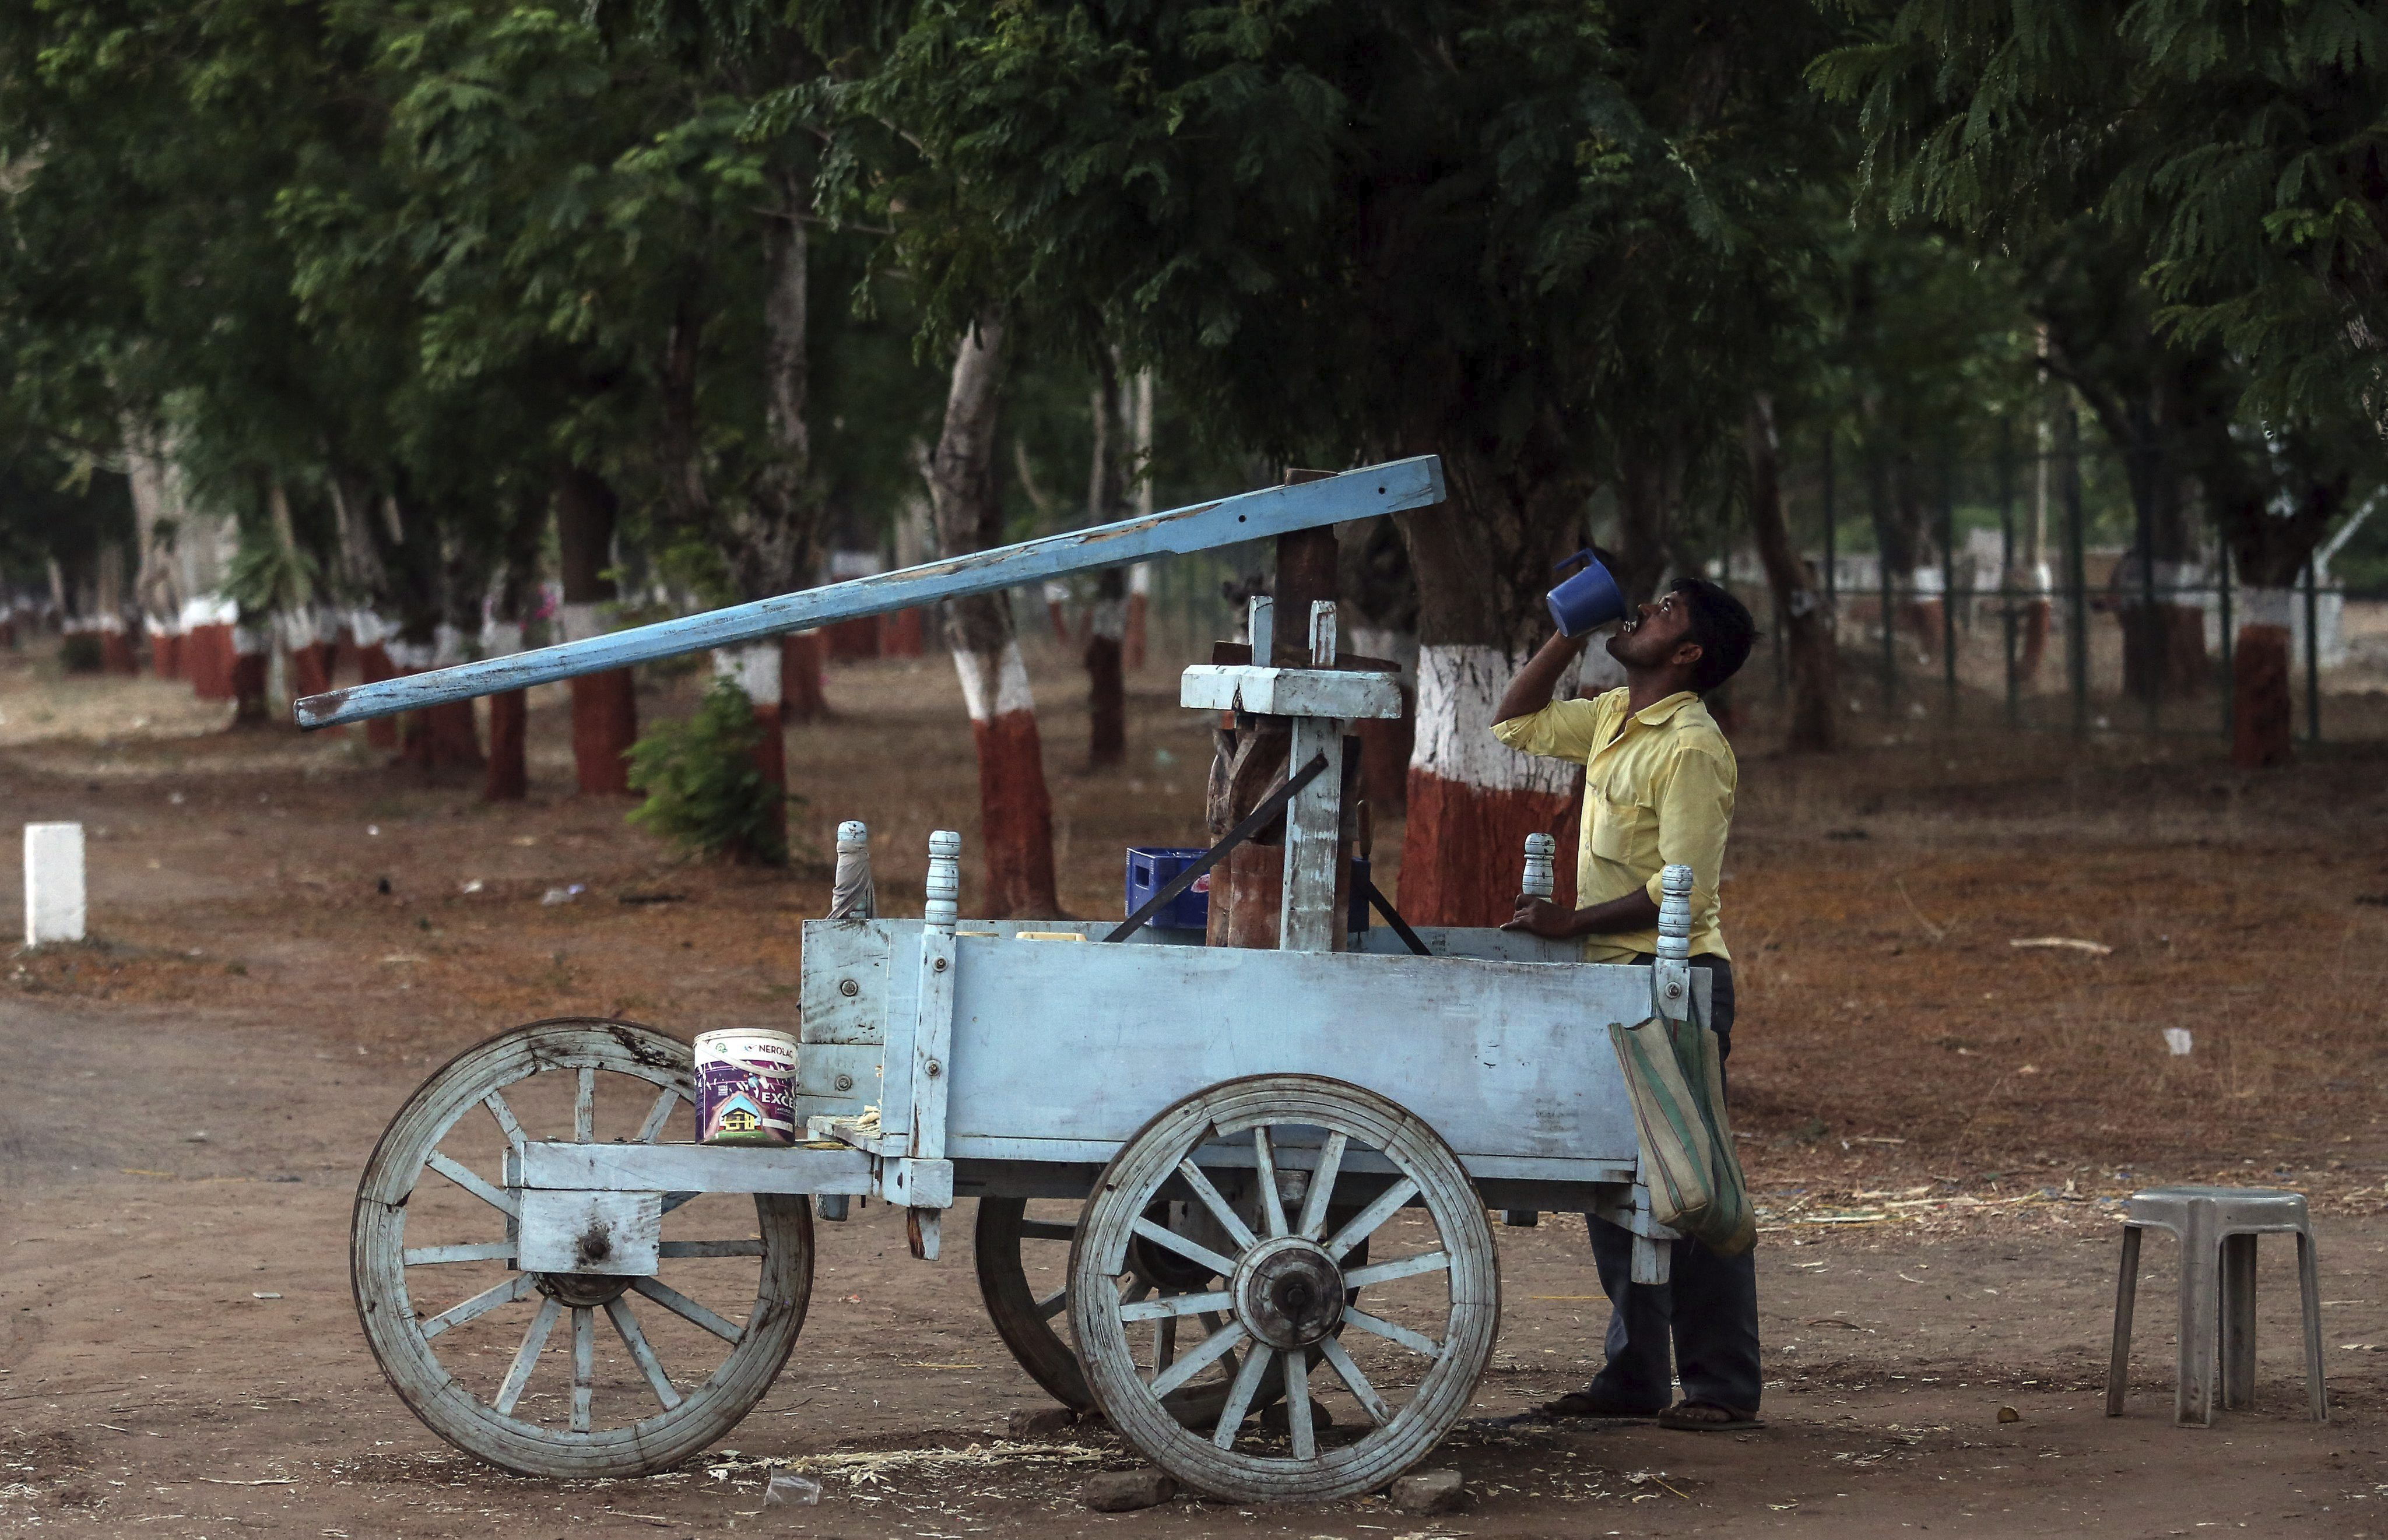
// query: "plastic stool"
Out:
[2216,1228]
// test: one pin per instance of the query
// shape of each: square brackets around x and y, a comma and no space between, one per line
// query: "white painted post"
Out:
[1313,825]
[1541,881]
[944,888]
[1260,627]
[1675,911]
[54,883]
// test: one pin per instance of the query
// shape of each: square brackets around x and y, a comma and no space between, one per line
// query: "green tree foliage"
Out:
[704,789]
[1511,234]
[2236,148]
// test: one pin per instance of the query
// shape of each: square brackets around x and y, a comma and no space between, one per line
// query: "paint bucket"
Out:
[746,1087]
[1588,600]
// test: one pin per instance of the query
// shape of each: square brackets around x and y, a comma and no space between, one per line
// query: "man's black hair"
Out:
[1723,627]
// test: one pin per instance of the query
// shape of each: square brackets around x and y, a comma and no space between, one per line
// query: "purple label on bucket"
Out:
[742,1100]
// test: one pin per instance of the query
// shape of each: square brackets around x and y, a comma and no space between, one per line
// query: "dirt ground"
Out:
[289,935]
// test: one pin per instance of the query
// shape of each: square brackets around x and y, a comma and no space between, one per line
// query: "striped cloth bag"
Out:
[1677,1083]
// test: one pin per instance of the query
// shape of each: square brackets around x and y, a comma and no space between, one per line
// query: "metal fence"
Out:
[2030,610]
[2032,605]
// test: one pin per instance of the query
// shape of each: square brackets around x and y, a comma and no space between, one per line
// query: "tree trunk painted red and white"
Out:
[1387,744]
[1472,802]
[116,655]
[165,646]
[207,649]
[1135,636]
[2263,718]
[509,777]
[307,638]
[754,670]
[250,646]
[371,637]
[437,738]
[604,711]
[1798,610]
[1482,564]
[605,706]
[804,696]
[1015,808]
[1104,656]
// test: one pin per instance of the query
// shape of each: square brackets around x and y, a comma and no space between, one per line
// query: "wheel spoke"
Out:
[1322,1185]
[1392,1333]
[496,1103]
[584,1364]
[1229,1221]
[1355,1382]
[1264,1166]
[1297,1405]
[674,1200]
[651,1129]
[1364,1224]
[1171,1306]
[625,1326]
[1220,1344]
[584,1105]
[470,1180]
[1240,1394]
[1405,1267]
[709,1248]
[1047,1229]
[479,1304]
[1193,1251]
[686,1309]
[1053,1305]
[534,1342]
[1164,1343]
[1212,1323]
[484,1251]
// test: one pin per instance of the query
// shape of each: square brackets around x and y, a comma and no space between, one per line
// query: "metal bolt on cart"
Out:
[1253,1182]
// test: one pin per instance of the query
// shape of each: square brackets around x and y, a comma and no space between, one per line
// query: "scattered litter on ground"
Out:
[801,1491]
[2073,943]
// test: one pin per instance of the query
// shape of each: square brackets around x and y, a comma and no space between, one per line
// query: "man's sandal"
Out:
[1706,1417]
[1587,1403]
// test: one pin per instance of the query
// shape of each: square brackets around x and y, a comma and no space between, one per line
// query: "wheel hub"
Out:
[582,1291]
[1289,1292]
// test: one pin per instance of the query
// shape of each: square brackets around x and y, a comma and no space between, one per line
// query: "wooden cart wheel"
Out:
[1026,1317]
[475,1360]
[1403,1369]
[1023,1320]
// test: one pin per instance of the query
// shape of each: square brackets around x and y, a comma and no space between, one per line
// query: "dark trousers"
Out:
[1707,1312]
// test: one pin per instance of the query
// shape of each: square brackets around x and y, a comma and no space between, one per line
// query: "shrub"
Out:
[703,788]
[80,652]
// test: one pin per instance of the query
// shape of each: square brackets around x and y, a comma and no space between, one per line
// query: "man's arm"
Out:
[1542,917]
[1531,690]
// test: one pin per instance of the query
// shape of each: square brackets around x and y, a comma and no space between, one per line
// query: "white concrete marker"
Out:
[54,888]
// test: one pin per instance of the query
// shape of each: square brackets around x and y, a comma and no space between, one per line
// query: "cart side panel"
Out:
[1481,943]
[843,993]
[1081,1044]
[844,996]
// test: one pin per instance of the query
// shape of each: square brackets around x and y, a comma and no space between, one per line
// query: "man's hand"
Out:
[1531,690]
[1539,917]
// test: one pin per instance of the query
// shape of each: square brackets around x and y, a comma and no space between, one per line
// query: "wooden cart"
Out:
[1254,1183]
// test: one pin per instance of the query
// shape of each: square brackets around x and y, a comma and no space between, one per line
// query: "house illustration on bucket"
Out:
[737,1114]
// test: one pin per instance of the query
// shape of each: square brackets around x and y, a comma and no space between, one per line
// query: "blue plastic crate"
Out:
[1151,867]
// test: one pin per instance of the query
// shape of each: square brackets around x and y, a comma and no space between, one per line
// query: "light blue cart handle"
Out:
[1392,487]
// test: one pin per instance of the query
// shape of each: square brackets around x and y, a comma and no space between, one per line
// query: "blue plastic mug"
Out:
[1588,600]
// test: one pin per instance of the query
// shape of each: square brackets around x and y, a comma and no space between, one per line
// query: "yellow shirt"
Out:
[1657,791]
